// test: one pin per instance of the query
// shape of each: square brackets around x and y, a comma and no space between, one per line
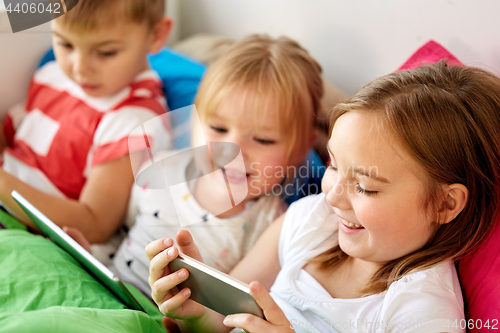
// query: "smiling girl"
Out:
[412,186]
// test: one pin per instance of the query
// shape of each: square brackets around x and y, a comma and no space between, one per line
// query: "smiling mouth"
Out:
[235,176]
[351,225]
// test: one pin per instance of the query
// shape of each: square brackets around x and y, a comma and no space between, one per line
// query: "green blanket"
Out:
[43,289]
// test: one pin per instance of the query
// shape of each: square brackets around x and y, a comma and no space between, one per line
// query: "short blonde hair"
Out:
[268,70]
[89,15]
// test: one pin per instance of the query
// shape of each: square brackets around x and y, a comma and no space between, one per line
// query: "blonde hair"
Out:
[89,15]
[448,119]
[268,70]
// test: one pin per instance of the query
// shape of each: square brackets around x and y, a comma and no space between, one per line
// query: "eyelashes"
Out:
[218,129]
[361,190]
[264,142]
[358,187]
[108,53]
[104,54]
[65,45]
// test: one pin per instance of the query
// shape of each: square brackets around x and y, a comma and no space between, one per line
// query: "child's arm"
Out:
[3,140]
[261,263]
[78,237]
[97,213]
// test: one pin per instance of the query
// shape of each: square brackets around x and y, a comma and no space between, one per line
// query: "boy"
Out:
[67,146]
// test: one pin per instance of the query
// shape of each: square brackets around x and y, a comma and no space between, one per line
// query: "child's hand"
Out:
[170,325]
[171,302]
[78,237]
[275,322]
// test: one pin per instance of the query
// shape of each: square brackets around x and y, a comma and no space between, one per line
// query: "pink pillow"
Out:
[479,272]
[430,53]
[480,279]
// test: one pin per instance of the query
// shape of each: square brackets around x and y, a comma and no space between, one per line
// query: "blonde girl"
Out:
[412,186]
[261,95]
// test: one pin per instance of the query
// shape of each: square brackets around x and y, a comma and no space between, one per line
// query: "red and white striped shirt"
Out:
[60,133]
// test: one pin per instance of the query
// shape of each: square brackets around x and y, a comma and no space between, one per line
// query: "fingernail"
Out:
[187,292]
[226,320]
[182,273]
[255,286]
[167,242]
[170,252]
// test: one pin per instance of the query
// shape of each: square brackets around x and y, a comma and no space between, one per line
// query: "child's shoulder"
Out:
[428,295]
[51,74]
[310,203]
[309,228]
[150,175]
[443,275]
[313,208]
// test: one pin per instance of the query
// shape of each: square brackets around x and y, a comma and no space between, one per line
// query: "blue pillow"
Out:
[181,77]
[49,56]
[308,182]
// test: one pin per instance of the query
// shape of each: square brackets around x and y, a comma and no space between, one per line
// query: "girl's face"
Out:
[262,147]
[376,190]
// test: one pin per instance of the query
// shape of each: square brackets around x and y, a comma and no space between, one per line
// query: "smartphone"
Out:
[214,289]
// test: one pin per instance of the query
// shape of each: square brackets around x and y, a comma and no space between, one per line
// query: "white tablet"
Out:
[87,260]
[214,289]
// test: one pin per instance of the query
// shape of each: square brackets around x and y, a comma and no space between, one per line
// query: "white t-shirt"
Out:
[222,242]
[424,301]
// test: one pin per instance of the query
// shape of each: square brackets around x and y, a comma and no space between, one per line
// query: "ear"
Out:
[455,198]
[160,33]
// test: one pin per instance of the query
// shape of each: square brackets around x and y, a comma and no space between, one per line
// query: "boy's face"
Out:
[103,61]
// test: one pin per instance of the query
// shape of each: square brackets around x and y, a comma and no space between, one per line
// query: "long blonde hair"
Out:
[448,119]
[265,69]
